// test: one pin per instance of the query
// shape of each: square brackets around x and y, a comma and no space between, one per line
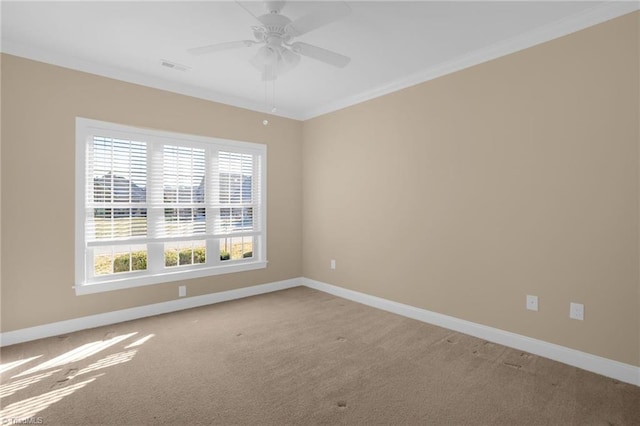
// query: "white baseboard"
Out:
[617,370]
[91,321]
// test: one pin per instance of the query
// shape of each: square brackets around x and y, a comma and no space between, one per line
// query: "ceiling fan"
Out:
[279,53]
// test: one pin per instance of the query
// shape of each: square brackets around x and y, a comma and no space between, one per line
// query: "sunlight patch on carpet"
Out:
[9,365]
[8,389]
[109,361]
[77,354]
[24,411]
[140,341]
[31,406]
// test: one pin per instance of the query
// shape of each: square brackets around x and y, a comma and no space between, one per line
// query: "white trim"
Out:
[588,18]
[600,13]
[617,370]
[121,74]
[87,283]
[126,280]
[91,321]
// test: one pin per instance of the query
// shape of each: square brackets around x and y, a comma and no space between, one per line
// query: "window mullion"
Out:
[256,199]
[212,195]
[155,194]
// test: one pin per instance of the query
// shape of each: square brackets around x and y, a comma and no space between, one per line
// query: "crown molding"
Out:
[595,15]
[128,76]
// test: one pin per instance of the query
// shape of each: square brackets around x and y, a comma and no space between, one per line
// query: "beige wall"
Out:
[638,138]
[460,195]
[463,194]
[0,190]
[39,105]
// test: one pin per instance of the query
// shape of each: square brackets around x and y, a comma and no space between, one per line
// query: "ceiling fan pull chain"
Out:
[273,104]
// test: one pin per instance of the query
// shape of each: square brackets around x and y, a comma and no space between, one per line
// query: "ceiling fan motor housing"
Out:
[274,25]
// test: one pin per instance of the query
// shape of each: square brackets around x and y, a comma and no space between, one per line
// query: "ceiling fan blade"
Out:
[220,46]
[320,54]
[331,12]
[246,9]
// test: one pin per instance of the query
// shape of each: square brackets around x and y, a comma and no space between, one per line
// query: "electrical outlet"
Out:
[182,291]
[576,311]
[333,264]
[532,302]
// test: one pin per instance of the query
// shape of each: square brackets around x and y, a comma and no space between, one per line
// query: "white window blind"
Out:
[183,185]
[155,206]
[117,193]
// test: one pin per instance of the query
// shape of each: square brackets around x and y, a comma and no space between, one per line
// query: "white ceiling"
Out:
[392,44]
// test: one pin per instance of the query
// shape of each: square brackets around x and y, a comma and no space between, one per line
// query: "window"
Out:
[155,206]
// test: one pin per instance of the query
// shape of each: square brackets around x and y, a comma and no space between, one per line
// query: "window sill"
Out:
[173,276]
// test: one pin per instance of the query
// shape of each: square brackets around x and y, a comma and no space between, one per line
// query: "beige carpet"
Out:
[300,357]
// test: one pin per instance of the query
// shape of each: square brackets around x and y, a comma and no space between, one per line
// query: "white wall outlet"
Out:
[333,264]
[532,302]
[182,291]
[576,311]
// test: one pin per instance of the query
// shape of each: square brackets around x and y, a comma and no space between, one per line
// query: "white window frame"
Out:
[87,283]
